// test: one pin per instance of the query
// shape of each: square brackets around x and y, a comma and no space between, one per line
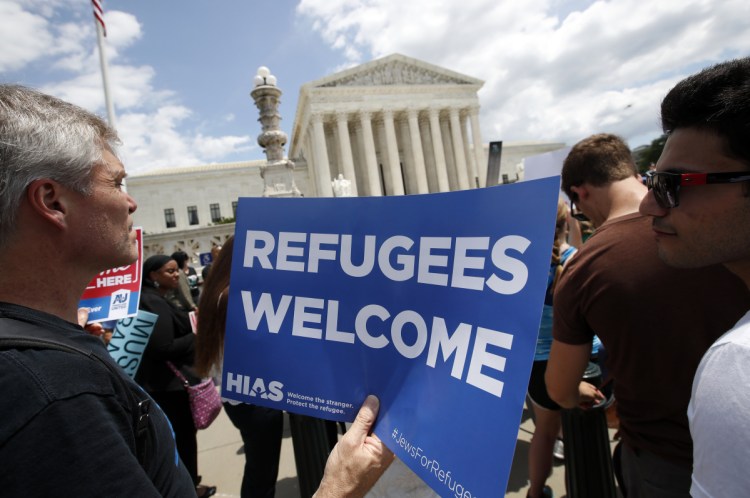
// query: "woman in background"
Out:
[260,428]
[171,340]
[547,419]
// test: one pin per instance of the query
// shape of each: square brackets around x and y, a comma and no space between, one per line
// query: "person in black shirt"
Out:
[73,423]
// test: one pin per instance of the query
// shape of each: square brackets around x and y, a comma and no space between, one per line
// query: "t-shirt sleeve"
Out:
[569,324]
[718,422]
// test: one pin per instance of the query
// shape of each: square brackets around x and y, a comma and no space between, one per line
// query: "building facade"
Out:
[193,209]
[393,126]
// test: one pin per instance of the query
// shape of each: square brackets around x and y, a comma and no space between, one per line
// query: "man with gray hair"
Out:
[73,423]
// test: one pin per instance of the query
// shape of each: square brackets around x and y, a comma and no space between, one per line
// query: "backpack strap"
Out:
[138,407]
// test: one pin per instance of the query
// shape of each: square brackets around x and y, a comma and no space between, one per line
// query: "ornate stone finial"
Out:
[266,95]
[277,174]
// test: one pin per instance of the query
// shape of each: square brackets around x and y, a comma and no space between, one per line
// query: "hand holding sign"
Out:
[438,310]
[95,329]
[358,460]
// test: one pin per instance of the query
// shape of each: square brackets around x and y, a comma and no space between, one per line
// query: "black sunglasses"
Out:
[666,185]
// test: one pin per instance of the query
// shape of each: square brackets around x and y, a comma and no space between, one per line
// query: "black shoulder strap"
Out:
[138,407]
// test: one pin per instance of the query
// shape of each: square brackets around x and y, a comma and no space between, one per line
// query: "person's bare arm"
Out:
[565,367]
[358,459]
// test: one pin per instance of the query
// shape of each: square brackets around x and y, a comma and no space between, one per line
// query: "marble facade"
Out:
[393,126]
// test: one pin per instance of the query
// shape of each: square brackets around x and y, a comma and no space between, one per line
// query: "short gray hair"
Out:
[44,137]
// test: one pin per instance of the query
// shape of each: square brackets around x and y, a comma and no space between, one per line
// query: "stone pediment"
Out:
[395,69]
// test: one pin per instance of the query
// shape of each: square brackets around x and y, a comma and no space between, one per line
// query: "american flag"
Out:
[99,15]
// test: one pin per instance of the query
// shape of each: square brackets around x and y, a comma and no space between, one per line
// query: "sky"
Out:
[181,71]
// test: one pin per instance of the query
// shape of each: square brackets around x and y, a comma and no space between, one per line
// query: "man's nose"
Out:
[649,206]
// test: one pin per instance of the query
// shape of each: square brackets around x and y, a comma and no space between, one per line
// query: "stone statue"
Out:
[519,171]
[341,187]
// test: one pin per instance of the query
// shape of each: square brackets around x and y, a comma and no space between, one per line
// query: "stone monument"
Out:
[278,173]
[341,187]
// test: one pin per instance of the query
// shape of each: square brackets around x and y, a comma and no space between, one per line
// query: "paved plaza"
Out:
[221,461]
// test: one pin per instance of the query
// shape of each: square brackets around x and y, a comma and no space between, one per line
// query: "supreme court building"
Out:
[392,126]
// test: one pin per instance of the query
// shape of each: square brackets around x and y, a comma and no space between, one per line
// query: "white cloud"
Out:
[217,147]
[123,29]
[153,140]
[27,33]
[553,70]
[154,126]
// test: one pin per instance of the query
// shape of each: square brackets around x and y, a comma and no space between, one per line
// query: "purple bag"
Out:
[205,402]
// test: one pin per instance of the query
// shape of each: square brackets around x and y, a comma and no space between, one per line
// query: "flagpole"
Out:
[100,34]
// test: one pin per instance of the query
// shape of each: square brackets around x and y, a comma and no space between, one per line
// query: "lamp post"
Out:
[278,172]
[312,438]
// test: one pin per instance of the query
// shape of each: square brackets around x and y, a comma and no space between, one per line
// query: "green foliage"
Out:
[646,155]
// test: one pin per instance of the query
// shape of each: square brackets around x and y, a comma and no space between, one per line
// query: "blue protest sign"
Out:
[206,258]
[129,340]
[431,302]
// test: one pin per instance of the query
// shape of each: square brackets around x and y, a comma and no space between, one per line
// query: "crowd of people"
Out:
[663,282]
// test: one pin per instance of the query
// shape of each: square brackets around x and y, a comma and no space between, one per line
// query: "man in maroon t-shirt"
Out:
[609,288]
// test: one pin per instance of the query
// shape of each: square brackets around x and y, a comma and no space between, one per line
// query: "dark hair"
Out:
[153,263]
[598,160]
[181,257]
[716,99]
[212,317]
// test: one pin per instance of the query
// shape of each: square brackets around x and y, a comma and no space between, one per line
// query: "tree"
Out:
[646,155]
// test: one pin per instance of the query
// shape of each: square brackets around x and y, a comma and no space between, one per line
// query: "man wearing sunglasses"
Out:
[699,199]
[611,288]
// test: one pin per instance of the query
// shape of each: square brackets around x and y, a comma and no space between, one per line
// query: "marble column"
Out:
[371,160]
[310,156]
[331,132]
[322,167]
[450,158]
[345,154]
[378,131]
[437,144]
[458,149]
[471,160]
[476,136]
[429,155]
[358,156]
[394,163]
[416,147]
[406,155]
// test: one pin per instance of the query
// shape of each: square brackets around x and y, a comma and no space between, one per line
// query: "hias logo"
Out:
[243,384]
